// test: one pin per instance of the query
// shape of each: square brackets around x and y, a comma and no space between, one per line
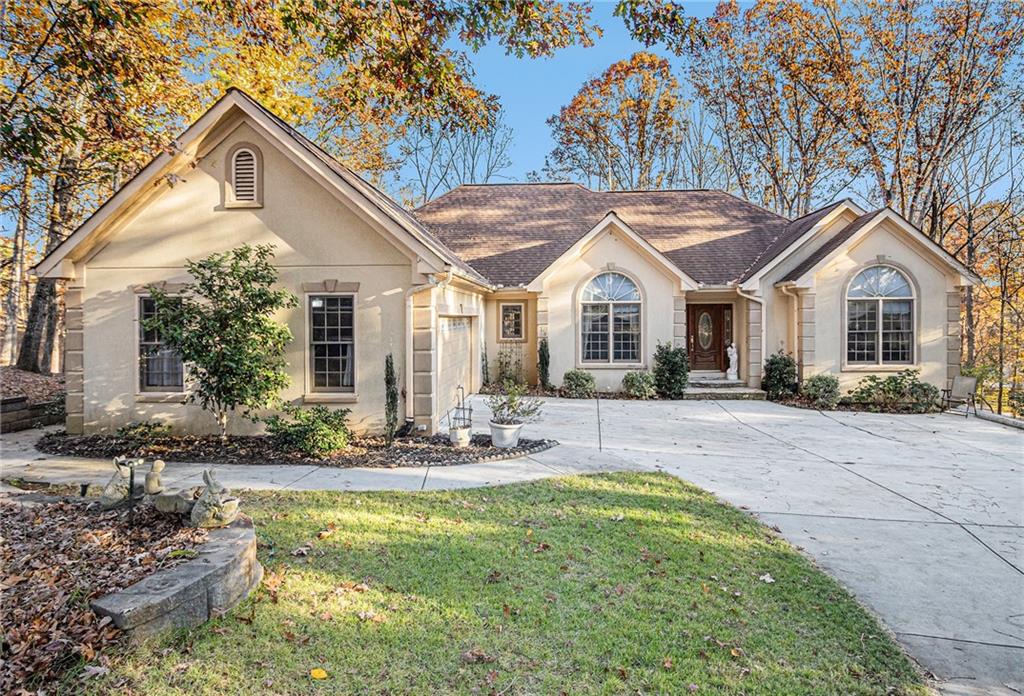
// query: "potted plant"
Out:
[509,413]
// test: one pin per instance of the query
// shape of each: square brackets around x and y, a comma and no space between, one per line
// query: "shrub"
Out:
[903,391]
[510,408]
[779,378]
[544,364]
[822,391]
[143,431]
[315,432]
[639,384]
[390,400]
[485,370]
[510,364]
[671,371]
[578,384]
[223,326]
[1015,399]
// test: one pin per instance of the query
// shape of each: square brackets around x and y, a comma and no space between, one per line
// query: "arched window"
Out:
[245,173]
[610,320]
[880,318]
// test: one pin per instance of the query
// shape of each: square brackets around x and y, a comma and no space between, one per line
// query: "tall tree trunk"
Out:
[42,340]
[12,303]
[1002,346]
[970,319]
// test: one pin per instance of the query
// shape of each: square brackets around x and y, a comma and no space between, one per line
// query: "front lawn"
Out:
[622,583]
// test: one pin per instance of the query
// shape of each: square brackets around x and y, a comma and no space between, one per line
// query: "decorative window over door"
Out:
[880,318]
[331,343]
[160,368]
[512,321]
[610,320]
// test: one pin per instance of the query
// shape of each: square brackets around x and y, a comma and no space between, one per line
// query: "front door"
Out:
[709,332]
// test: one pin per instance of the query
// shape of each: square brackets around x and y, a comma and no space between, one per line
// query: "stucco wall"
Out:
[317,238]
[937,346]
[610,251]
[526,348]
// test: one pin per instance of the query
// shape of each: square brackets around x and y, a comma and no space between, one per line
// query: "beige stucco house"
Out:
[484,270]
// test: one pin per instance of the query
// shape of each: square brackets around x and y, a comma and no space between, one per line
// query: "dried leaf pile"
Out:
[54,559]
[257,449]
[38,388]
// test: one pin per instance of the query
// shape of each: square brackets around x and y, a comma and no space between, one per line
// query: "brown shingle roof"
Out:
[511,232]
[794,230]
[830,245]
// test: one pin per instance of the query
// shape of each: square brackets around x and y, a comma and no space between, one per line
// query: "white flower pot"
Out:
[505,436]
[459,437]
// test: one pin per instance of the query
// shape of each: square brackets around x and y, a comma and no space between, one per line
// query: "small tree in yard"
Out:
[221,326]
[544,364]
[390,399]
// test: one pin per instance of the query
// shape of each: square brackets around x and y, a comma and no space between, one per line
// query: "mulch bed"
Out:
[38,388]
[366,452]
[55,557]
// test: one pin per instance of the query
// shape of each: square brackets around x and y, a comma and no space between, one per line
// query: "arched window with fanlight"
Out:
[245,176]
[880,318]
[610,320]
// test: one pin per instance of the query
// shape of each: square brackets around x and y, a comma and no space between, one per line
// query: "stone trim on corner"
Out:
[74,361]
[679,321]
[805,334]
[953,339]
[424,360]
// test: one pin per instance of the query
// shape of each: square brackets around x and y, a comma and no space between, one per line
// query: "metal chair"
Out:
[962,391]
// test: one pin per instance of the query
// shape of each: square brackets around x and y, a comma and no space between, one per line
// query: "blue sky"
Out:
[531,90]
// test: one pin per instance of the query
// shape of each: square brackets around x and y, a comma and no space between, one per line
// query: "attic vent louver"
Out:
[244,175]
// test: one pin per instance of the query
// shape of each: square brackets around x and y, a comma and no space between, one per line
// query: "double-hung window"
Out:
[332,343]
[610,320]
[160,368]
[880,318]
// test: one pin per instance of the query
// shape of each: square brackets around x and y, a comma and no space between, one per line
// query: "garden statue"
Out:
[176,503]
[153,483]
[117,489]
[733,354]
[214,508]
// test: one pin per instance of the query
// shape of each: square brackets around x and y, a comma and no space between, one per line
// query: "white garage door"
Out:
[456,361]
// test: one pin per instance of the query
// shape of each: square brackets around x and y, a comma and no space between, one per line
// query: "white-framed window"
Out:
[512,321]
[245,176]
[332,348]
[880,318]
[160,368]
[610,320]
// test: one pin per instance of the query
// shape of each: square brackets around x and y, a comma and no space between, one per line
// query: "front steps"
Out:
[714,385]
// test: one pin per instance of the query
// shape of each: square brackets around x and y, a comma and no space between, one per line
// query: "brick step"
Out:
[724,393]
[716,383]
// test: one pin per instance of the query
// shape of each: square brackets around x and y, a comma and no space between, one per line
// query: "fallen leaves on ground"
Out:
[477,656]
[57,557]
[38,388]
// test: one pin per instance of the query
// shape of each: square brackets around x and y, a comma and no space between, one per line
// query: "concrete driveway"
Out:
[921,517]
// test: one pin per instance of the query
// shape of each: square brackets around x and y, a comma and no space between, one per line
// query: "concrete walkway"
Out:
[921,517]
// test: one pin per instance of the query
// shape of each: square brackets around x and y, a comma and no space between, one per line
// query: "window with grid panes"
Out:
[880,318]
[331,342]
[160,368]
[610,323]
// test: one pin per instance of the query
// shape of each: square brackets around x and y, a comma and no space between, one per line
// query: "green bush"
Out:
[315,432]
[671,371]
[779,378]
[544,364]
[510,408]
[822,391]
[143,431]
[390,399]
[901,392]
[639,384]
[578,384]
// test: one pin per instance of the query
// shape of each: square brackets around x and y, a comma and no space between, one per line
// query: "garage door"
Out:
[456,361]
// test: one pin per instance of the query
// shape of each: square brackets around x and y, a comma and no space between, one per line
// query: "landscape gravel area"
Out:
[366,452]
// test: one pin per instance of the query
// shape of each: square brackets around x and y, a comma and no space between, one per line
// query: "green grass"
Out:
[624,583]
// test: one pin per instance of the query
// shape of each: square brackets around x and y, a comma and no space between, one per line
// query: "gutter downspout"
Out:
[760,301]
[789,291]
[431,283]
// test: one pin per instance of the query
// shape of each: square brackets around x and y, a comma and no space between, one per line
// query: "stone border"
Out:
[188,595]
[993,417]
